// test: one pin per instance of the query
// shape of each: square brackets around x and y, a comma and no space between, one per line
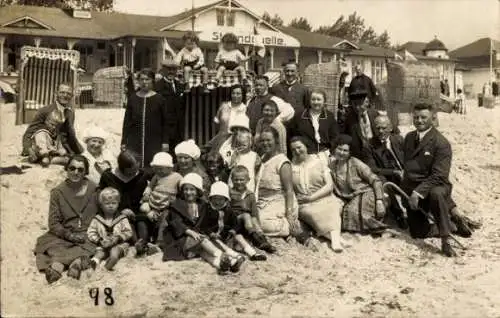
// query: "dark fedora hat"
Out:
[358,92]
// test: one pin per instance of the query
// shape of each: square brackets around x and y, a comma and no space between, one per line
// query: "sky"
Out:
[455,22]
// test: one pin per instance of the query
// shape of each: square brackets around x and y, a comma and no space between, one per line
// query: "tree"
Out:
[300,23]
[99,5]
[383,40]
[353,29]
[276,20]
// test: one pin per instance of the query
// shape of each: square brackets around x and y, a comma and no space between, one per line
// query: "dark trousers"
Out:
[439,203]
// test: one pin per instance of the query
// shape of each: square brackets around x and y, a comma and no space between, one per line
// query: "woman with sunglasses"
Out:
[73,204]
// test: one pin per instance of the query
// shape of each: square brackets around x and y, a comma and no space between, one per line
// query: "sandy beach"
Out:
[387,277]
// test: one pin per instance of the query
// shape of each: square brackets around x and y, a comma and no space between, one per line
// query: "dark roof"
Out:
[413,47]
[480,47]
[102,25]
[370,50]
[311,39]
[435,45]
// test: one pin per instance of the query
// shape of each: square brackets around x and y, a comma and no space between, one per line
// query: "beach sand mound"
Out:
[387,277]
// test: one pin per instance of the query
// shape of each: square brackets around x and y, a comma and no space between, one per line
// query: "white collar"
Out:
[421,134]
[290,83]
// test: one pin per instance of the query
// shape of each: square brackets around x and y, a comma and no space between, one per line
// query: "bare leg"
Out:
[210,253]
[115,254]
[98,257]
[220,72]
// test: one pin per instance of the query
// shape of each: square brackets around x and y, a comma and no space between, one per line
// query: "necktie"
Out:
[173,86]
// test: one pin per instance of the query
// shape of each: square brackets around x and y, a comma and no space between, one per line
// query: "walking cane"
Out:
[427,214]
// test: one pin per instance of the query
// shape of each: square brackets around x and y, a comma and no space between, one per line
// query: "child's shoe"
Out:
[45,162]
[110,263]
[258,257]
[224,265]
[237,265]
[140,248]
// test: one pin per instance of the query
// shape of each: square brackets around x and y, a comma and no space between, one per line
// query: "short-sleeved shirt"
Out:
[229,56]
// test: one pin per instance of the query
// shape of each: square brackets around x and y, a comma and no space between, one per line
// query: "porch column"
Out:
[38,41]
[132,52]
[320,56]
[247,50]
[2,41]
[71,43]
[335,57]
[114,46]
[160,53]
[124,56]
[271,52]
[296,52]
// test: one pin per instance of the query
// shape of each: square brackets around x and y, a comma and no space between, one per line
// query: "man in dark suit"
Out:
[427,162]
[291,90]
[66,132]
[172,90]
[361,81]
[385,158]
[359,123]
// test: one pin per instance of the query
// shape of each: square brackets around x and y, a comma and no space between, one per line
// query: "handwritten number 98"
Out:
[108,293]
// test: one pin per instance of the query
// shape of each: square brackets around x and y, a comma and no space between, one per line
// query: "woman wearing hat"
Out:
[189,223]
[187,155]
[149,122]
[99,158]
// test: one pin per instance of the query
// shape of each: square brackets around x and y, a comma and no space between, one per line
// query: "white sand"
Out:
[367,280]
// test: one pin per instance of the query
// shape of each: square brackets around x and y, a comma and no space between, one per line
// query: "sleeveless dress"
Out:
[323,215]
[271,197]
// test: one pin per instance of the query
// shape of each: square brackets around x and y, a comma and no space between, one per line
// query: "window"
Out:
[220,17]
[101,46]
[377,71]
[357,62]
[230,18]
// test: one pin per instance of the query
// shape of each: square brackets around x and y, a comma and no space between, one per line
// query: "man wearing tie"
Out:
[427,162]
[385,158]
[172,90]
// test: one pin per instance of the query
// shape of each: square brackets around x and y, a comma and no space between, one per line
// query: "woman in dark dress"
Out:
[131,181]
[73,204]
[148,125]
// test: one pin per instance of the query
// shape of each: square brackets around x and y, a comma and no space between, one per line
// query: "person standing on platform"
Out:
[362,82]
[171,89]
[290,89]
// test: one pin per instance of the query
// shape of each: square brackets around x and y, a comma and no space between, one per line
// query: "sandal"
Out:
[258,257]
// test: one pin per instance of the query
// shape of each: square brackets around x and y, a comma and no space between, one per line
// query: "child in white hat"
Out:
[161,191]
[227,230]
[189,222]
[100,159]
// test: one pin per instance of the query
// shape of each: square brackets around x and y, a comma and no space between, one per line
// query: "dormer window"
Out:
[225,17]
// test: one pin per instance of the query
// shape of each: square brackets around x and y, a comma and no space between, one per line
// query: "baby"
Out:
[230,58]
[191,58]
[244,205]
[161,191]
[110,230]
[46,145]
[245,156]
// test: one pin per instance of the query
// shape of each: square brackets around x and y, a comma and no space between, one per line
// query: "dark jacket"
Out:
[427,164]
[179,222]
[352,128]
[254,109]
[380,159]
[296,94]
[363,82]
[175,105]
[66,130]
[301,125]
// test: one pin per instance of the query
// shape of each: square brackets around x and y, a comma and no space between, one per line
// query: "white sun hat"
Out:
[188,148]
[162,159]
[241,121]
[193,179]
[95,132]
[220,188]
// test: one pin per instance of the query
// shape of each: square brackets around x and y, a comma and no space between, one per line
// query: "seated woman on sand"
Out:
[73,205]
[276,201]
[359,188]
[187,155]
[318,206]
[100,159]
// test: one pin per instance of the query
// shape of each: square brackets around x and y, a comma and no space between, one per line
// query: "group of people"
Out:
[280,166]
